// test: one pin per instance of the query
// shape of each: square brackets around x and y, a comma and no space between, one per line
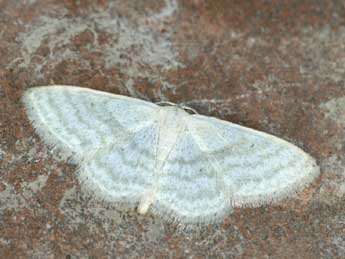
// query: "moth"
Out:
[184,167]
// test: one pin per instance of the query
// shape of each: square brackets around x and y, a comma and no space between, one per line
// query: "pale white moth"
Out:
[184,167]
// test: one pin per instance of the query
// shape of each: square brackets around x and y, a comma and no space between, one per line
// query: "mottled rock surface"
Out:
[276,66]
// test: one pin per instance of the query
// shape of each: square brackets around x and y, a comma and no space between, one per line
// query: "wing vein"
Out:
[216,168]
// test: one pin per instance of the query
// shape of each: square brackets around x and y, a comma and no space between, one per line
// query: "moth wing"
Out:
[255,168]
[189,188]
[124,171]
[79,120]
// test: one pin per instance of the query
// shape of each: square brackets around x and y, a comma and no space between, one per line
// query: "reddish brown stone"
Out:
[276,66]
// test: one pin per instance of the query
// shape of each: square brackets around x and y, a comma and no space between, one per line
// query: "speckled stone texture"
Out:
[276,66]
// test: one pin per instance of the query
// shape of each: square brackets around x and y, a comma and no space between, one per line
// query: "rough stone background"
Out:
[276,66]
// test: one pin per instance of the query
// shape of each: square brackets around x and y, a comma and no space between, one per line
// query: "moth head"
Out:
[177,107]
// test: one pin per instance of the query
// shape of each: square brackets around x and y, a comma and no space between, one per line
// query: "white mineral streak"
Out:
[187,168]
[137,49]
